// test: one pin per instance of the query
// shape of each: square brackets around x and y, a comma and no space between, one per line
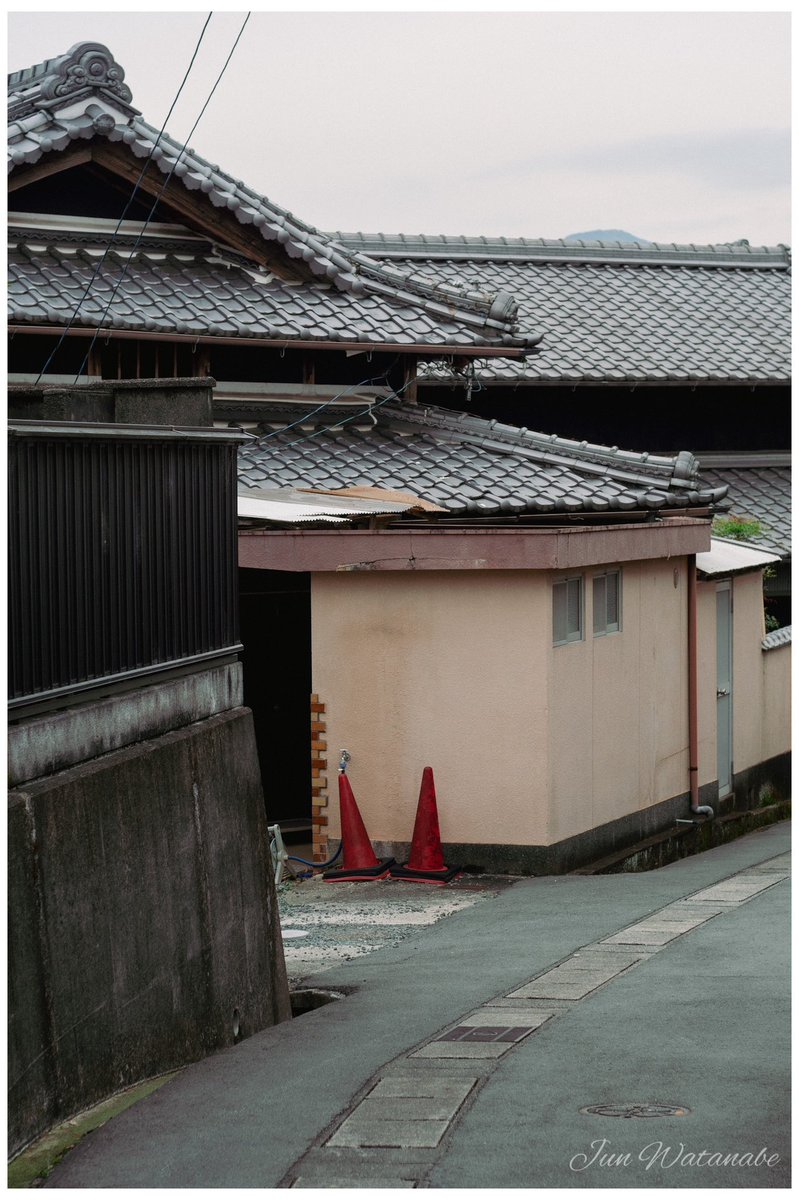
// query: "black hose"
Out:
[319,866]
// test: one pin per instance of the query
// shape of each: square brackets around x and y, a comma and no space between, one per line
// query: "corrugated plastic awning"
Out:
[296,506]
[725,558]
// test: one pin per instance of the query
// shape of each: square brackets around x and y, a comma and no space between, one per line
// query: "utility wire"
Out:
[395,395]
[130,200]
[339,396]
[157,200]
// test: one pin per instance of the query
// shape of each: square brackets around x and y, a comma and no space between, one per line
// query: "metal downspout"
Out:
[693,696]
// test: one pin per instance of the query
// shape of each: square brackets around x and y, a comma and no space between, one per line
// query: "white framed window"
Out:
[607,603]
[567,611]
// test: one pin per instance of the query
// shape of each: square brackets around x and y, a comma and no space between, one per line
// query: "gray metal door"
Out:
[724,686]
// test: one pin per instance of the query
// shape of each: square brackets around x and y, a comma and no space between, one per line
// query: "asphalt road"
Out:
[700,1023]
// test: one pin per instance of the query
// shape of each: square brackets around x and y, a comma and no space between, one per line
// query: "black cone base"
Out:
[355,874]
[411,874]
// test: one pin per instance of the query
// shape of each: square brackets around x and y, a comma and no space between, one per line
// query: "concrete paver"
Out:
[493,1015]
[357,1131]
[351,1181]
[648,935]
[379,1107]
[567,983]
[463,1050]
[422,1086]
[699,1021]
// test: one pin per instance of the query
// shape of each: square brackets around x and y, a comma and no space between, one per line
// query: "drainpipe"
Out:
[693,696]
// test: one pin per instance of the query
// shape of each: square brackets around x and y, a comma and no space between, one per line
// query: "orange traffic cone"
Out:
[426,863]
[360,860]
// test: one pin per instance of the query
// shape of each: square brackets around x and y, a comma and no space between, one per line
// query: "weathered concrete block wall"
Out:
[41,745]
[127,401]
[143,921]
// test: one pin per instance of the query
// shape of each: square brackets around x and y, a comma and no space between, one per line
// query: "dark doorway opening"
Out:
[275,621]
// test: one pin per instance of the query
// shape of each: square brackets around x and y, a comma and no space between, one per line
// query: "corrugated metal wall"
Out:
[122,554]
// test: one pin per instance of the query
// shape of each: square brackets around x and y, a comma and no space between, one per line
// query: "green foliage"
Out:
[739,528]
[772,623]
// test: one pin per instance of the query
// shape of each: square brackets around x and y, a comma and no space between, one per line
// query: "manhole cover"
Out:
[636,1110]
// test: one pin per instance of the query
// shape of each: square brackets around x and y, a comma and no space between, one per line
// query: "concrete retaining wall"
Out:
[143,928]
[42,745]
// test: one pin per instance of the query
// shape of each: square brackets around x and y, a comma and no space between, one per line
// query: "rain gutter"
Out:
[693,696]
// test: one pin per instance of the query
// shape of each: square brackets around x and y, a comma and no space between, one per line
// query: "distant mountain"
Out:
[607,235]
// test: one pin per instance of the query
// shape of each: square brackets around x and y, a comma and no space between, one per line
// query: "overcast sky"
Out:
[671,126]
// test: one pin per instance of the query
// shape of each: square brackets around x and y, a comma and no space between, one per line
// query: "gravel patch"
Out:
[342,921]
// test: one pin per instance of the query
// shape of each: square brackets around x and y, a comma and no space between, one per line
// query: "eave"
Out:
[440,549]
[280,343]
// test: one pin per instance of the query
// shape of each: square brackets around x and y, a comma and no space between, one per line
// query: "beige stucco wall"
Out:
[776,668]
[530,743]
[441,669]
[747,670]
[618,704]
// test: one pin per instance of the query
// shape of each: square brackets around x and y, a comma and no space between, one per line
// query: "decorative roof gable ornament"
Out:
[88,65]
[81,94]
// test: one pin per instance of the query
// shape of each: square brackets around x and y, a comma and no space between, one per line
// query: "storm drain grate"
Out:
[486,1033]
[636,1110]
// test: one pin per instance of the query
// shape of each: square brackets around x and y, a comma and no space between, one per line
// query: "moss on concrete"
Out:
[36,1161]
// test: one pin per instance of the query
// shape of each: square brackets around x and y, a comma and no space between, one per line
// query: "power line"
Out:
[130,200]
[395,395]
[157,200]
[339,396]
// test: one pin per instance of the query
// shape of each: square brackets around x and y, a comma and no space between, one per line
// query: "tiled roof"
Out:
[472,467]
[778,637]
[759,489]
[615,313]
[192,287]
[81,96]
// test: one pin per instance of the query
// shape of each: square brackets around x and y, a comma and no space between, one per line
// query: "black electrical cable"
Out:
[319,866]
[130,200]
[339,395]
[157,200]
[395,395]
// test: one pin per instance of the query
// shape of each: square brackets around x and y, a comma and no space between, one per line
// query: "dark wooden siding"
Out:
[122,554]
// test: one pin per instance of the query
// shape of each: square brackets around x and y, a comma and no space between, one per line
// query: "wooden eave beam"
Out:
[429,351]
[197,210]
[52,164]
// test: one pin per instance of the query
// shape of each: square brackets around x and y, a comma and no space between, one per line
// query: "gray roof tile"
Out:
[778,637]
[395,304]
[757,490]
[189,293]
[472,466]
[709,314]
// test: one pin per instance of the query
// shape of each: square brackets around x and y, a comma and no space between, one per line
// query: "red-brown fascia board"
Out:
[470,550]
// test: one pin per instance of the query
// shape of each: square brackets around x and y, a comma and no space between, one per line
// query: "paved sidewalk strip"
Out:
[462,1050]
[420,1096]
[331,1180]
[493,1015]
[569,982]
